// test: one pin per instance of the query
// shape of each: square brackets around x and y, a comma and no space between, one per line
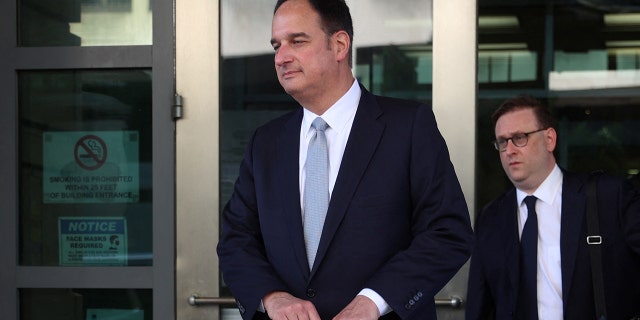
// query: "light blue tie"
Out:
[316,189]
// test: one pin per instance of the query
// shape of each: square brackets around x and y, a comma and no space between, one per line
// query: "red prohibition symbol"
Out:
[90,152]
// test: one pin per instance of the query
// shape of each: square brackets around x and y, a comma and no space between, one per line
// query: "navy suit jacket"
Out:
[493,277]
[397,220]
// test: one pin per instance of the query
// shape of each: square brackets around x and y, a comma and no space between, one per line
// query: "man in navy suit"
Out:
[397,227]
[562,282]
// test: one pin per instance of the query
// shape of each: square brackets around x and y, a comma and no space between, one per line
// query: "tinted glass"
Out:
[85,168]
[84,22]
[85,304]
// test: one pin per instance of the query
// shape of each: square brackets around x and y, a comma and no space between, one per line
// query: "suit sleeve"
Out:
[441,231]
[479,304]
[241,250]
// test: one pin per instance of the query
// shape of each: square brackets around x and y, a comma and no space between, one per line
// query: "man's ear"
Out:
[551,137]
[342,45]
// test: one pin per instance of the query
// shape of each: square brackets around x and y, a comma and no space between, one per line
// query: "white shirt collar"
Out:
[548,190]
[338,115]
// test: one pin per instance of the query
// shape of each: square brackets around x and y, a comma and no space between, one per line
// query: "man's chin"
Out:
[516,178]
[292,91]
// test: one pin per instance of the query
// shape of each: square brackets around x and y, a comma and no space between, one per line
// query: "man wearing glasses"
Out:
[531,259]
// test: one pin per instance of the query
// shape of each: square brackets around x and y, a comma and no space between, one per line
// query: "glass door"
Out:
[88,146]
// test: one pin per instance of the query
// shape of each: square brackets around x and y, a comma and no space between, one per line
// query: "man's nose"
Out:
[282,55]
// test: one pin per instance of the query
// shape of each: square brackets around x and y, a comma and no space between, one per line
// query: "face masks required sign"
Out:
[91,167]
[92,241]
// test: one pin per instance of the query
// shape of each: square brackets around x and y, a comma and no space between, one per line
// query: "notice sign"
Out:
[92,241]
[90,167]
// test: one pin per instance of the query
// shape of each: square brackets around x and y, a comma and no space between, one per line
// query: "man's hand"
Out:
[281,305]
[360,308]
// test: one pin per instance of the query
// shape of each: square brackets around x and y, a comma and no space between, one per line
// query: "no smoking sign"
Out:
[90,167]
[90,152]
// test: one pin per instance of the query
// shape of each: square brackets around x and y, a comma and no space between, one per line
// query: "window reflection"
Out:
[84,23]
[398,71]
[89,304]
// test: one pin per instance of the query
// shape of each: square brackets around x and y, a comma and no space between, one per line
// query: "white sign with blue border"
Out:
[93,241]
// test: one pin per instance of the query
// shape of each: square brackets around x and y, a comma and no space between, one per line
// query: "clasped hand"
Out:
[283,306]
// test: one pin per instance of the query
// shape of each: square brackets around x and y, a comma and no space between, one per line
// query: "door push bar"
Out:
[195,300]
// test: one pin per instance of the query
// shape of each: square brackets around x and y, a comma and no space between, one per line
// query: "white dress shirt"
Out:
[548,209]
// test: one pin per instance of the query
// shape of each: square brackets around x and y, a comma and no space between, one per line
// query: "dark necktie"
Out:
[528,294]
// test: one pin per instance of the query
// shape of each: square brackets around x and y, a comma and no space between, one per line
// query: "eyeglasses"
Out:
[519,140]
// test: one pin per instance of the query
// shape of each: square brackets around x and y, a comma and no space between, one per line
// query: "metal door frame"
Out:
[160,58]
[197,156]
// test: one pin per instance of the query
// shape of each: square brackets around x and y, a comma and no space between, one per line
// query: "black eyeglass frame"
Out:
[519,140]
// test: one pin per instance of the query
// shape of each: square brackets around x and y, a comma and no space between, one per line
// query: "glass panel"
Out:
[250,96]
[86,304]
[85,168]
[582,60]
[397,71]
[84,22]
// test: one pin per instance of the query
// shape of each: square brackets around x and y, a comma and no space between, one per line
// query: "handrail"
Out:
[195,300]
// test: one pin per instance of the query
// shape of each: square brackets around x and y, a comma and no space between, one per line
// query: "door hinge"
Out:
[176,110]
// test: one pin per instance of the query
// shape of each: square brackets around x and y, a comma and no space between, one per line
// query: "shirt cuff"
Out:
[383,306]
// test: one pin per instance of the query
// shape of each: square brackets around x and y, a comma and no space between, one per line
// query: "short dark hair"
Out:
[334,14]
[520,102]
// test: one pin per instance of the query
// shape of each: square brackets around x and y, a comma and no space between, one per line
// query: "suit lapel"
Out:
[288,156]
[512,239]
[365,135]
[573,208]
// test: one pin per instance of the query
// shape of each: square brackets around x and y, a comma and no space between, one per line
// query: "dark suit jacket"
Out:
[397,220]
[493,277]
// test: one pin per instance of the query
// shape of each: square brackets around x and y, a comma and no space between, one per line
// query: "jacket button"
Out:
[311,293]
